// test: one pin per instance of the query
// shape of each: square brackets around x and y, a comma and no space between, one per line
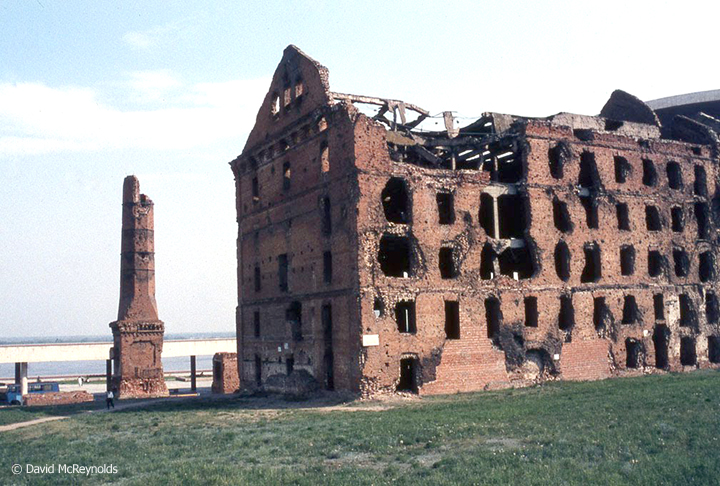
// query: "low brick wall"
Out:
[225,373]
[57,398]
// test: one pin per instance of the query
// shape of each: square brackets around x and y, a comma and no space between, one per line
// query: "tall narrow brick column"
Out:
[137,333]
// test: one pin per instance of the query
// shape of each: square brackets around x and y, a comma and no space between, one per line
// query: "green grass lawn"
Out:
[648,430]
[14,414]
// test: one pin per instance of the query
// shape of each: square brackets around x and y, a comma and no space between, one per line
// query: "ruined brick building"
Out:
[374,256]
[137,332]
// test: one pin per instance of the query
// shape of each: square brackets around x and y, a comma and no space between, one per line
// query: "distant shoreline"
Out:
[77,368]
[106,338]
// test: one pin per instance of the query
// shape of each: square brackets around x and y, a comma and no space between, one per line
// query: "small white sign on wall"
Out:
[371,340]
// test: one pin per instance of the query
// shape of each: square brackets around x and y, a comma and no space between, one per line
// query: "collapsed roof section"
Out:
[300,87]
[490,143]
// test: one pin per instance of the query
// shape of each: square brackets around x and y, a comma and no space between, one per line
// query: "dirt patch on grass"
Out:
[503,443]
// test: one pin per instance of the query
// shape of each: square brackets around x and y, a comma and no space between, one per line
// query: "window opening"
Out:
[714,349]
[327,267]
[452,319]
[659,307]
[258,370]
[487,218]
[649,173]
[562,261]
[447,263]
[408,375]
[286,176]
[557,156]
[627,260]
[256,323]
[322,124]
[395,256]
[591,211]
[601,315]
[678,220]
[688,317]
[326,215]
[487,262]
[700,185]
[275,105]
[283,272]
[561,216]
[405,317]
[446,208]
[287,96]
[255,190]
[661,341]
[674,174]
[712,308]
[631,314]
[493,316]
[588,171]
[652,218]
[623,169]
[378,307]
[656,263]
[396,201]
[592,271]
[634,353]
[293,315]
[682,263]
[688,356]
[509,166]
[531,312]
[257,278]
[566,319]
[701,215]
[623,216]
[516,263]
[328,357]
[324,158]
[511,215]
[706,266]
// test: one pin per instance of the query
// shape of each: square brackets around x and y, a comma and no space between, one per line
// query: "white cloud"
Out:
[162,34]
[153,85]
[147,39]
[138,40]
[38,119]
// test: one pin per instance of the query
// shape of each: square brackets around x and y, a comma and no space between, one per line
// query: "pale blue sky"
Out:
[93,91]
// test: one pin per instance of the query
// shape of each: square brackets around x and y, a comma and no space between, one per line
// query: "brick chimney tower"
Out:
[138,332]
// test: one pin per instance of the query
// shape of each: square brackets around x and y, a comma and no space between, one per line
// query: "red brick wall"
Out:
[225,373]
[57,398]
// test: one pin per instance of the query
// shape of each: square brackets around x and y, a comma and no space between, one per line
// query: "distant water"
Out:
[55,368]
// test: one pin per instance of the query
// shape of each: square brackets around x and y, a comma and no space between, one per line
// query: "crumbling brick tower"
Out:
[373,256]
[138,332]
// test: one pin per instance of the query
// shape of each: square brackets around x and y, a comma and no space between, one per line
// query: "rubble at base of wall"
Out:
[142,388]
[57,398]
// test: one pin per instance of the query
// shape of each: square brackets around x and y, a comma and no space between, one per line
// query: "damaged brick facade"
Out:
[137,332]
[374,257]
